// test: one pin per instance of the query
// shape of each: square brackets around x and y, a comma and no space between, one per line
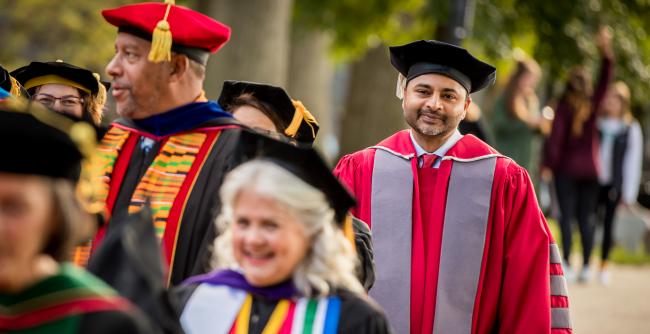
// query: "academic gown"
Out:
[72,301]
[279,308]
[519,259]
[176,161]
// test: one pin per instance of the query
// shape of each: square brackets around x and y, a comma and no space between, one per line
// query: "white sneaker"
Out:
[569,275]
[604,277]
[584,276]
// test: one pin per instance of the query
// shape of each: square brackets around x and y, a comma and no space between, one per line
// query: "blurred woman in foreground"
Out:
[40,222]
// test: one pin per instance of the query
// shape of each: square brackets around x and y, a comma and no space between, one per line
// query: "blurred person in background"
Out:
[268,109]
[517,120]
[474,124]
[621,153]
[65,88]
[571,153]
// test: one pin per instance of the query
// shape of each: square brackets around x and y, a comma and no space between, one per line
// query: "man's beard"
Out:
[133,107]
[432,130]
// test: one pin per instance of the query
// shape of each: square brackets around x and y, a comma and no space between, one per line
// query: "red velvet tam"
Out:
[193,34]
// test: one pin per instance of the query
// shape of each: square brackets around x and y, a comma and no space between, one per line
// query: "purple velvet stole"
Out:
[234,279]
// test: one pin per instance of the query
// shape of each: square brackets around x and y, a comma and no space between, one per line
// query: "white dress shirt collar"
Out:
[442,150]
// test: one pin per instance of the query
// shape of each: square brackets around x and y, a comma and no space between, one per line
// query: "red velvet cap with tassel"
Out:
[170,28]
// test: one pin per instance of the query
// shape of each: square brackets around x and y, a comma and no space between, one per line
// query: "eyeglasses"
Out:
[67,101]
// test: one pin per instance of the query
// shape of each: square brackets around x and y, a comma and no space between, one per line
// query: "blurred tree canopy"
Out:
[358,25]
[45,30]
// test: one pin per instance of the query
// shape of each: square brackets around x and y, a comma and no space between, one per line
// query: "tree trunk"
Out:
[372,111]
[258,49]
[310,81]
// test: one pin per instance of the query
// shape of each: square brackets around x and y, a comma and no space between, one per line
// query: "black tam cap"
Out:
[58,72]
[290,116]
[429,56]
[304,162]
[32,144]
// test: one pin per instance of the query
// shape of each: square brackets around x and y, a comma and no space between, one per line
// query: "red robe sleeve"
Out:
[355,171]
[533,298]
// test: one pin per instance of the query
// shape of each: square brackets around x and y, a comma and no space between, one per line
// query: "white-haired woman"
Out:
[283,263]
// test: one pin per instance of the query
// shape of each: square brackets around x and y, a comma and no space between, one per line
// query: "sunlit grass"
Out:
[618,254]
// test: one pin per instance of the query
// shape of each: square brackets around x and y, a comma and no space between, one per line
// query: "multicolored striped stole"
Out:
[52,303]
[105,157]
[164,178]
[296,316]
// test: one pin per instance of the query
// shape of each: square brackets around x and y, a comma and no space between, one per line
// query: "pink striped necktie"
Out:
[428,160]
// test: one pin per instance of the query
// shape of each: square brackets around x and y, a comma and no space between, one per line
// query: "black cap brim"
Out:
[304,162]
[81,76]
[30,146]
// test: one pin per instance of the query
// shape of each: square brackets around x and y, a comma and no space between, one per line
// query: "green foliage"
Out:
[45,30]
[561,34]
[357,25]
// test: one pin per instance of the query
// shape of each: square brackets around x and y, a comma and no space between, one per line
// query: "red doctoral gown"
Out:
[521,288]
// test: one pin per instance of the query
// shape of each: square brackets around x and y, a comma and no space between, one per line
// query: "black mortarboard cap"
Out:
[283,107]
[30,146]
[302,161]
[429,56]
[40,73]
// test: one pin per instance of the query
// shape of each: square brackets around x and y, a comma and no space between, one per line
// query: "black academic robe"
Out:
[134,165]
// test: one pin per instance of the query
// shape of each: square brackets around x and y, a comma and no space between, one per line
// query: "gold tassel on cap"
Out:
[15,87]
[100,98]
[348,231]
[97,101]
[161,40]
[301,114]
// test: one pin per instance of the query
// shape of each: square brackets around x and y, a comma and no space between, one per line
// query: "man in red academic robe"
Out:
[460,243]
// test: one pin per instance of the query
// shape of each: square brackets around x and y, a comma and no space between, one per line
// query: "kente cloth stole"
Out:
[295,316]
[104,160]
[164,178]
[107,152]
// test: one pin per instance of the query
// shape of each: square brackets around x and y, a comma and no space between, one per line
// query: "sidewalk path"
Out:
[622,307]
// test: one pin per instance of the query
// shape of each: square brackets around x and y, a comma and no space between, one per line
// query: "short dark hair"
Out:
[248,99]
[197,68]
